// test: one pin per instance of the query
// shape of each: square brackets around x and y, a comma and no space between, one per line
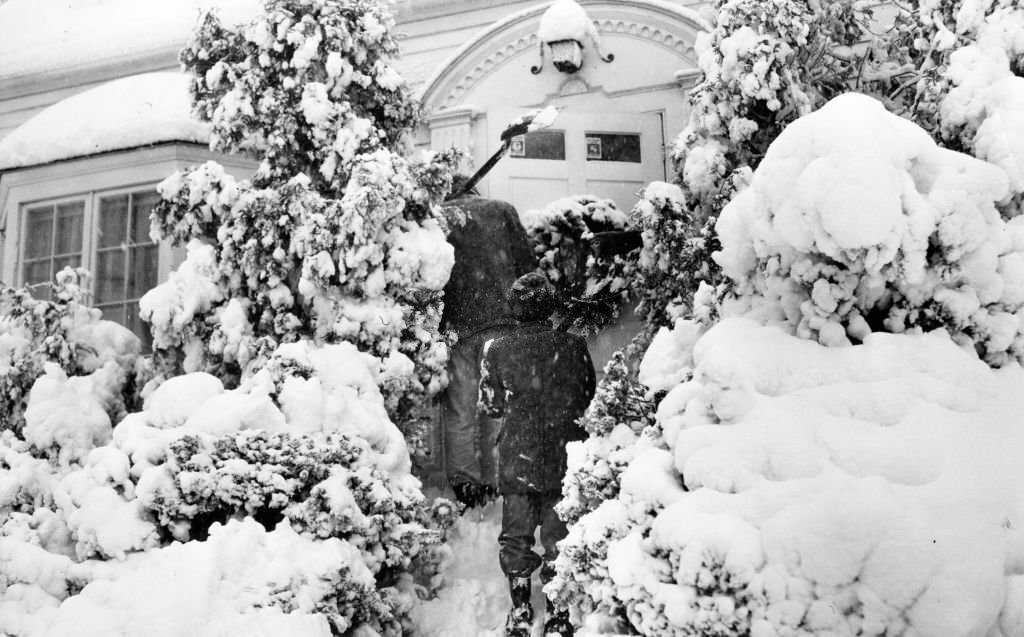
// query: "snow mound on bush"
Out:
[69,415]
[831,491]
[855,221]
[304,446]
[224,586]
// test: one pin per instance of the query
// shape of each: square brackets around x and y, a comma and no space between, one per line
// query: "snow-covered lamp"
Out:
[563,29]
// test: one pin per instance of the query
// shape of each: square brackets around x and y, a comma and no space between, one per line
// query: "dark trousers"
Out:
[469,436]
[521,514]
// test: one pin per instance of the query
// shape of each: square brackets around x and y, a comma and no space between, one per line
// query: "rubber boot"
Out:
[520,618]
[556,621]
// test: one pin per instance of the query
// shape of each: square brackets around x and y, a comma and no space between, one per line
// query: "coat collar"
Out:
[534,326]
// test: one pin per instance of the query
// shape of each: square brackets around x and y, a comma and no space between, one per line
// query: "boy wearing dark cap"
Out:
[541,380]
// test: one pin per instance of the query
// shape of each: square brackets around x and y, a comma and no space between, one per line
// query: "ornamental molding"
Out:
[496,58]
[441,92]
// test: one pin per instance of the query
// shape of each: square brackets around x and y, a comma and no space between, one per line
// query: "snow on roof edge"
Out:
[129,112]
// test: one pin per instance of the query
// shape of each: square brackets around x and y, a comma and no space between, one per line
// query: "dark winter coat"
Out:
[491,251]
[541,380]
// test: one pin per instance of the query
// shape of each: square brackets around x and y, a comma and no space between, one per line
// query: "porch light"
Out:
[563,29]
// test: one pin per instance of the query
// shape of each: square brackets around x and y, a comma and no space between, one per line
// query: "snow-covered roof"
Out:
[125,113]
[38,36]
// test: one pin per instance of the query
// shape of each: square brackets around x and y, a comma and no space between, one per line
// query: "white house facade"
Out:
[77,180]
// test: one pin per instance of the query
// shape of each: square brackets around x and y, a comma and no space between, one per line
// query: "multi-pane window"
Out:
[53,240]
[542,144]
[107,233]
[613,147]
[126,258]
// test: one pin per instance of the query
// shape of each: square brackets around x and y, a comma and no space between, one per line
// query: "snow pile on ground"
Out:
[863,490]
[856,221]
[473,599]
[129,112]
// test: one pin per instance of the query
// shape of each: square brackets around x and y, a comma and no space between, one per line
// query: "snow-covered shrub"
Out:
[621,427]
[300,464]
[243,580]
[616,417]
[855,221]
[793,483]
[619,424]
[676,253]
[337,237]
[64,332]
[820,491]
[593,286]
[970,95]
[764,65]
[264,487]
[306,88]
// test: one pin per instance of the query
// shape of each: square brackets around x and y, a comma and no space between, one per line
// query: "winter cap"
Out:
[532,297]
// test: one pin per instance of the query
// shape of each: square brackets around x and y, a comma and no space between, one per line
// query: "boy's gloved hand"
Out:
[472,493]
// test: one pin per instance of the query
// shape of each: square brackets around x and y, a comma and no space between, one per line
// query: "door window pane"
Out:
[38,232]
[542,144]
[613,147]
[113,225]
[142,205]
[110,276]
[144,262]
[135,323]
[114,312]
[35,272]
[69,227]
[69,261]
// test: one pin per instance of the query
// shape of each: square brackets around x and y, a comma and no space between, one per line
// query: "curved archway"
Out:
[650,24]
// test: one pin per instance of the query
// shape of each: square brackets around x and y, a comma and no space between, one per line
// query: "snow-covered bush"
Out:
[619,424]
[676,253]
[300,464]
[764,65]
[855,221]
[337,237]
[64,332]
[616,417]
[970,95]
[264,486]
[822,491]
[593,286]
[793,483]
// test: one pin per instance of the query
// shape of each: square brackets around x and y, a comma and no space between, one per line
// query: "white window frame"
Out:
[90,229]
[90,178]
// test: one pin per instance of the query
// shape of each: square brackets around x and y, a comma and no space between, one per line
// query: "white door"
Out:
[609,155]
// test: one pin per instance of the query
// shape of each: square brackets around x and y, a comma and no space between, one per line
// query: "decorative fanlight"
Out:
[563,29]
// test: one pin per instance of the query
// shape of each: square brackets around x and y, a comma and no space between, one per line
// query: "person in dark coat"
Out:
[541,380]
[491,251]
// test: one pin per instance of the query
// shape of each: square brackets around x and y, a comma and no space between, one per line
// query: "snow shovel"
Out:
[529,122]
